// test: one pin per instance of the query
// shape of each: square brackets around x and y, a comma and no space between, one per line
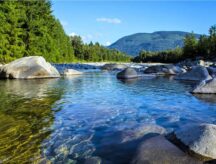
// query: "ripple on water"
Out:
[85,118]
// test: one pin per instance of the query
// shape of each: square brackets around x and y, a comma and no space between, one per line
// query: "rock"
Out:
[197,73]
[29,68]
[111,67]
[199,138]
[142,131]
[207,87]
[212,71]
[158,150]
[93,160]
[164,70]
[154,69]
[69,72]
[128,73]
[201,63]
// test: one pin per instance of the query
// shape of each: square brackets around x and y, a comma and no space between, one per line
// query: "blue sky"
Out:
[107,21]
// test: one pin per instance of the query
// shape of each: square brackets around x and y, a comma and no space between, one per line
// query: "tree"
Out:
[212,41]
[190,46]
[29,28]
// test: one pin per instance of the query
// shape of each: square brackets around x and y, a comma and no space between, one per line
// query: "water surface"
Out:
[82,118]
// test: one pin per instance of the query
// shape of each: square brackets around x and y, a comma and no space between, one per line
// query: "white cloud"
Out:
[107,43]
[109,20]
[72,34]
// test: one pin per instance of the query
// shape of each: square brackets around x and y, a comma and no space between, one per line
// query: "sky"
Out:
[107,21]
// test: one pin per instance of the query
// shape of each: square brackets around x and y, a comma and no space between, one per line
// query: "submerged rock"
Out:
[28,68]
[93,160]
[199,138]
[164,69]
[197,73]
[158,150]
[206,87]
[146,130]
[69,72]
[128,73]
[112,67]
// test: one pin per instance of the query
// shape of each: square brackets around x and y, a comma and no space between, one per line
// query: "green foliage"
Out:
[28,28]
[204,47]
[190,46]
[95,52]
[212,42]
[168,56]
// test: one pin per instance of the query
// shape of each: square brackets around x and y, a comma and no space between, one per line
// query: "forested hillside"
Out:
[154,42]
[28,28]
[204,47]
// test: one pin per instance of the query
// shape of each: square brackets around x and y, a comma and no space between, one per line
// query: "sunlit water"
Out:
[79,119]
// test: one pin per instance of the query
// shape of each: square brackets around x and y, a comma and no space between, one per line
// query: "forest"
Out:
[193,48]
[28,28]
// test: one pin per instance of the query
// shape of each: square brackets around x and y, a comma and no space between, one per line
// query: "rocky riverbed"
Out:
[108,113]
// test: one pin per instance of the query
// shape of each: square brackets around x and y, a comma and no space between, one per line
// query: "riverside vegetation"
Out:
[204,47]
[28,28]
[94,117]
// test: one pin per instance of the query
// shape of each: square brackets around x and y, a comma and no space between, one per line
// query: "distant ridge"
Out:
[156,41]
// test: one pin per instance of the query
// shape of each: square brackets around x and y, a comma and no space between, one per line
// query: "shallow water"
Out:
[82,118]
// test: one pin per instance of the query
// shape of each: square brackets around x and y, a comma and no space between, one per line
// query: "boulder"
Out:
[197,73]
[207,87]
[112,67]
[212,71]
[146,130]
[69,72]
[29,68]
[199,139]
[128,73]
[158,150]
[164,70]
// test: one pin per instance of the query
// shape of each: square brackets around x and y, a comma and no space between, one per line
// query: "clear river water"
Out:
[81,119]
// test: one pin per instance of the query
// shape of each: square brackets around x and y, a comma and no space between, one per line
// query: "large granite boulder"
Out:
[199,138]
[158,150]
[128,73]
[71,72]
[112,67]
[29,68]
[164,70]
[206,87]
[197,73]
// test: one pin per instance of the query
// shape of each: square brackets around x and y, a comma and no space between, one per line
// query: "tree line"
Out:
[95,52]
[204,48]
[28,28]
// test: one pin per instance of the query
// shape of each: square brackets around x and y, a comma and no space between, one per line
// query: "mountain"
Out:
[156,41]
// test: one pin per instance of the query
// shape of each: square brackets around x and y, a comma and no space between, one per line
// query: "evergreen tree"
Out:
[190,46]
[29,28]
[212,41]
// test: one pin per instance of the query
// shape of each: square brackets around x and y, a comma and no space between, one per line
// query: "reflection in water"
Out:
[25,119]
[79,119]
[129,81]
[27,88]
[209,98]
